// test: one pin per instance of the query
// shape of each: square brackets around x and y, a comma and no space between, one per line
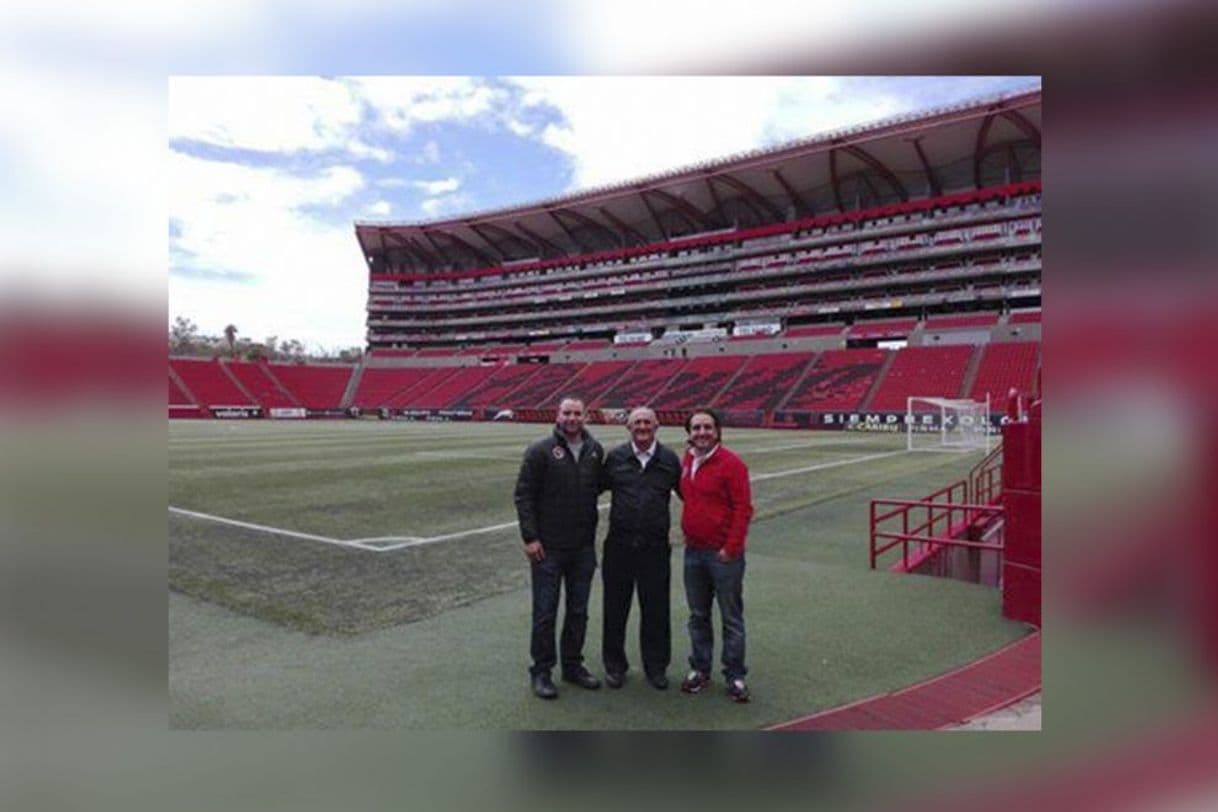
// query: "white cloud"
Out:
[435,206]
[437,187]
[280,114]
[381,208]
[305,275]
[403,101]
[430,153]
[617,128]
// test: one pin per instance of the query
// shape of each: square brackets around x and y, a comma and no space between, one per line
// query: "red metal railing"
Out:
[985,479]
[945,516]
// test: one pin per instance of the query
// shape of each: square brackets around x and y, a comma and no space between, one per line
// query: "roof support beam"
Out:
[654,217]
[511,235]
[1013,163]
[432,262]
[1028,128]
[539,241]
[595,224]
[714,193]
[835,181]
[623,228]
[979,148]
[499,252]
[797,202]
[477,252]
[881,168]
[402,244]
[753,195]
[695,217]
[444,258]
[579,246]
[932,180]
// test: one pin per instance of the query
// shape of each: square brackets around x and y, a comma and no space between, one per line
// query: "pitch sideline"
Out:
[384,544]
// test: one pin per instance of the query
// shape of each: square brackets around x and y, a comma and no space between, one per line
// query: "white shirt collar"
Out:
[698,460]
[648,452]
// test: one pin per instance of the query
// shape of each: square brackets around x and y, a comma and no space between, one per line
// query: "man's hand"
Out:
[534,551]
[723,556]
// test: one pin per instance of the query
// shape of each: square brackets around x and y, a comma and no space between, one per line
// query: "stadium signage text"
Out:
[236,412]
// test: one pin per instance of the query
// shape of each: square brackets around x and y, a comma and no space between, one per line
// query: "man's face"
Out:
[702,433]
[642,428]
[571,417]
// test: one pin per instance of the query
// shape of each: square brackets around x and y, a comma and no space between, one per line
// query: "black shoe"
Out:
[615,679]
[543,686]
[696,682]
[583,678]
[658,681]
[737,690]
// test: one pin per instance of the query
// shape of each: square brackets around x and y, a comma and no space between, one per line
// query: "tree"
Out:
[230,335]
[182,336]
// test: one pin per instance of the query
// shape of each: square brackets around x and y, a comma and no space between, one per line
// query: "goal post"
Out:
[947,424]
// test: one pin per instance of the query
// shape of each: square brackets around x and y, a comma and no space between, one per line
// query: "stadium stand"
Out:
[764,382]
[892,254]
[315,386]
[640,385]
[954,322]
[814,330]
[587,344]
[699,382]
[922,371]
[837,381]
[208,382]
[895,328]
[494,389]
[258,382]
[1005,365]
[592,381]
[378,385]
[540,387]
[177,397]
[406,398]
[453,387]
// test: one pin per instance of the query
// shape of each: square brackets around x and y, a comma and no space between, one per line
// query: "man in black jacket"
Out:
[642,474]
[556,494]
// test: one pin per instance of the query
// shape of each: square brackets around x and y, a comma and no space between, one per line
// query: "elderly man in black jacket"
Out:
[641,474]
[556,494]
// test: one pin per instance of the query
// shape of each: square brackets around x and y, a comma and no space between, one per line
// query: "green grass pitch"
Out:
[282,632]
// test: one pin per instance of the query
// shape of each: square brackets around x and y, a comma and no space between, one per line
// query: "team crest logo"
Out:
[558,452]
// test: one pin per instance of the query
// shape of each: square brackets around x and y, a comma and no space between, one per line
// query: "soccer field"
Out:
[349,574]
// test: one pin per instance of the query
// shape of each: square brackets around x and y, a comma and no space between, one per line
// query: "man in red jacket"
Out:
[715,520]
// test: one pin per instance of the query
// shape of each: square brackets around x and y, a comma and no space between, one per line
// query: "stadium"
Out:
[342,547]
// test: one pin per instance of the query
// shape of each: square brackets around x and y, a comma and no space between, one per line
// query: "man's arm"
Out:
[528,489]
[740,497]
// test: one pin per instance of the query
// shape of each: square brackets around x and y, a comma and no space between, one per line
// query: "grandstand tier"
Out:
[316,386]
[799,279]
[209,383]
[837,381]
[922,372]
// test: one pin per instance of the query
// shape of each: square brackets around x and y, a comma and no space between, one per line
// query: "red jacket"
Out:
[717,502]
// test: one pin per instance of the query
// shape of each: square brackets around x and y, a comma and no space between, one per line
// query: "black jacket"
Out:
[556,494]
[638,515]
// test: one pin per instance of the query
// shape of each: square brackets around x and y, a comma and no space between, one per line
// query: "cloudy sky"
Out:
[267,175]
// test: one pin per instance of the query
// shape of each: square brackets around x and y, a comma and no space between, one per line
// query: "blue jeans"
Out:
[572,571]
[708,579]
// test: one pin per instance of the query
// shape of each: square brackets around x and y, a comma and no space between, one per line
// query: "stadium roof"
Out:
[984,142]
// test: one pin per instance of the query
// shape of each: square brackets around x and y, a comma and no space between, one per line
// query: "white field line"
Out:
[382,544]
[824,465]
[262,528]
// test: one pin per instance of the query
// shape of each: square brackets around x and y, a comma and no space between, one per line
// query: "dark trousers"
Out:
[707,581]
[569,570]
[650,569]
